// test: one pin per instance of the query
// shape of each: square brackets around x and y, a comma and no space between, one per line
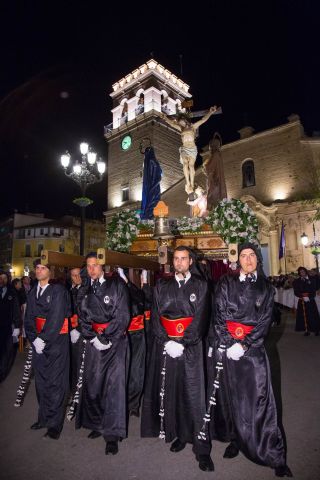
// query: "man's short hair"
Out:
[91,255]
[73,268]
[183,248]
[302,268]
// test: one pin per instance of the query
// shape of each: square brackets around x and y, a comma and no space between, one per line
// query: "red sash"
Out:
[147,315]
[99,327]
[238,330]
[74,321]
[176,327]
[304,295]
[41,321]
[136,323]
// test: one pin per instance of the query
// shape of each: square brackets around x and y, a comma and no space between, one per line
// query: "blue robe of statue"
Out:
[151,184]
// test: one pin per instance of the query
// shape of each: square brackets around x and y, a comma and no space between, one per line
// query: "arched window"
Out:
[140,104]
[164,101]
[248,176]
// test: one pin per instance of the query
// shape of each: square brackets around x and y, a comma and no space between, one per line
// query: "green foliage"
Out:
[189,224]
[122,230]
[234,221]
[82,201]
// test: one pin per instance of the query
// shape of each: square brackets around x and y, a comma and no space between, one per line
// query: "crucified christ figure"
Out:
[188,151]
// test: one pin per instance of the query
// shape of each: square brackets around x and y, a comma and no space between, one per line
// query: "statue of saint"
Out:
[199,205]
[188,151]
[152,173]
[213,168]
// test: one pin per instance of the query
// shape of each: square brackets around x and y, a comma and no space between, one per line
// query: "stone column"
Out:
[274,252]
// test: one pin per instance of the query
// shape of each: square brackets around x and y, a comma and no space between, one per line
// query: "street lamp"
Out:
[84,172]
[304,239]
[314,245]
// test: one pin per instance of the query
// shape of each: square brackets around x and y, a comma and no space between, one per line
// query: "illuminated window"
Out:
[125,193]
[248,176]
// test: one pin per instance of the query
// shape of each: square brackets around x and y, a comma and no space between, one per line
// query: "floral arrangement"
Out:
[189,224]
[315,247]
[234,221]
[145,226]
[122,230]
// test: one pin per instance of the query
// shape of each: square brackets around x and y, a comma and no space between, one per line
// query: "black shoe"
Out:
[283,471]
[177,446]
[111,447]
[205,463]
[94,434]
[36,426]
[52,433]
[306,334]
[231,451]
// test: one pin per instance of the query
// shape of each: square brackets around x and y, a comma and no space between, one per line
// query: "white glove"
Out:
[122,275]
[99,345]
[210,351]
[144,276]
[306,299]
[235,352]
[16,332]
[74,335]
[39,344]
[174,349]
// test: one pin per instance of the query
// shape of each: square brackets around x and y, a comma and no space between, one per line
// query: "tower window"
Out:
[125,193]
[248,176]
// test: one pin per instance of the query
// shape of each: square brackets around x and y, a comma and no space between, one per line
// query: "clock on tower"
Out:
[126,142]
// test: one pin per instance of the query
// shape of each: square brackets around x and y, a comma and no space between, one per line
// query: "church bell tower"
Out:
[139,99]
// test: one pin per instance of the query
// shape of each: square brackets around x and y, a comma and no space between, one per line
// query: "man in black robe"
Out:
[305,287]
[137,344]
[75,332]
[104,314]
[243,315]
[10,323]
[46,326]
[148,296]
[174,397]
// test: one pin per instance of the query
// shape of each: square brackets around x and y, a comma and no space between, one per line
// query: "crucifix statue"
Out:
[188,151]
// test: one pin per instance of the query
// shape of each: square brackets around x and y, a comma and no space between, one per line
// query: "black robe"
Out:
[245,400]
[137,351]
[102,404]
[307,317]
[51,367]
[148,295]
[184,399]
[10,316]
[75,348]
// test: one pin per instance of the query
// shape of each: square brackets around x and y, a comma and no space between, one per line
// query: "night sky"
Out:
[258,60]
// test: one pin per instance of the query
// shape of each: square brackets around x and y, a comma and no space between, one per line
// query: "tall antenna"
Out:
[181,71]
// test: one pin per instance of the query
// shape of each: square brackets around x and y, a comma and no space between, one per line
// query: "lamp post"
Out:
[84,172]
[304,239]
[314,245]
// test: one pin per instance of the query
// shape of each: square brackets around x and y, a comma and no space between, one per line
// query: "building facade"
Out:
[31,234]
[274,171]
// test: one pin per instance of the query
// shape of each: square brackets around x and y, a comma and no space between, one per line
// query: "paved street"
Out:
[24,454]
